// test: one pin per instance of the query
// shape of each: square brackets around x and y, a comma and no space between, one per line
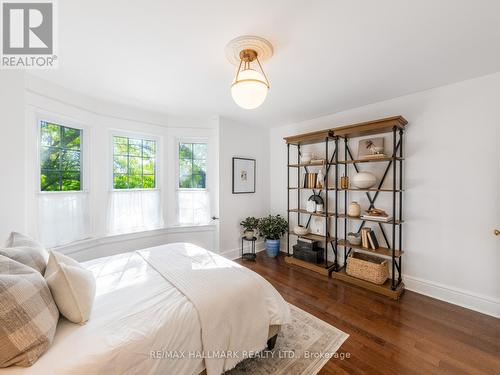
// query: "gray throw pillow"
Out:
[26,251]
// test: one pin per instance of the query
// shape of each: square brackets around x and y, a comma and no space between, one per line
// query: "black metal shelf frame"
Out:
[397,212]
[333,161]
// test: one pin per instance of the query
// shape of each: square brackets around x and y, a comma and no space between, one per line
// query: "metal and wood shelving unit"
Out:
[331,139]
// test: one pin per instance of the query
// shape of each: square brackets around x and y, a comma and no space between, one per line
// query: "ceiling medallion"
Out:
[250,86]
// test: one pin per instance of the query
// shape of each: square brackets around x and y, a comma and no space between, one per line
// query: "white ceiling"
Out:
[330,55]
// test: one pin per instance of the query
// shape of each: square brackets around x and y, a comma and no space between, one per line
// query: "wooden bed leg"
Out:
[272,342]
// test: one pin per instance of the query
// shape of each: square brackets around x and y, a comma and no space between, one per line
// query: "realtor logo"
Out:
[28,34]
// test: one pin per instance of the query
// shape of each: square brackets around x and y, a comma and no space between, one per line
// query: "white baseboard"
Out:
[236,253]
[467,299]
[463,298]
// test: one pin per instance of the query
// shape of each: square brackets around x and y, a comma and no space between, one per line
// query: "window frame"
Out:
[133,135]
[84,151]
[178,141]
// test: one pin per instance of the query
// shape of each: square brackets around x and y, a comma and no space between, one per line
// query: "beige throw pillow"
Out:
[28,314]
[72,286]
[26,251]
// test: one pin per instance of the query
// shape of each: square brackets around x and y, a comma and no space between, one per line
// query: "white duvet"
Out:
[140,323]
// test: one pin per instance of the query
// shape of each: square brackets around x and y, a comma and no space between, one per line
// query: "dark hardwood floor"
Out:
[415,335]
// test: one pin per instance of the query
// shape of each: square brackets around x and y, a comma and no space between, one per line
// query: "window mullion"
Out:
[142,163]
[60,171]
[128,163]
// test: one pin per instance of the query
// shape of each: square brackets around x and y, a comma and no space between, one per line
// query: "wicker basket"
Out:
[368,267]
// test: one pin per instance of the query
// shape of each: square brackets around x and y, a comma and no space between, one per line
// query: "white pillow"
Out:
[72,287]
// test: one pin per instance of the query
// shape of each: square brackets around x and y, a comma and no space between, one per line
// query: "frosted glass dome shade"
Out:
[250,90]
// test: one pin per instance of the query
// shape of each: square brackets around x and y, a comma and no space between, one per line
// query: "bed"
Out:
[146,320]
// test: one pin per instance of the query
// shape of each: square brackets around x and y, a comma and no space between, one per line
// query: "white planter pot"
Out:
[249,234]
[364,180]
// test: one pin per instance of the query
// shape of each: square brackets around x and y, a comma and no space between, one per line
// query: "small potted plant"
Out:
[272,228]
[250,224]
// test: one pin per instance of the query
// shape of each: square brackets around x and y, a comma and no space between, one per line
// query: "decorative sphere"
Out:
[250,90]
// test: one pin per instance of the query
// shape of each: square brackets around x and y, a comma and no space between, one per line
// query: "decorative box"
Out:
[314,255]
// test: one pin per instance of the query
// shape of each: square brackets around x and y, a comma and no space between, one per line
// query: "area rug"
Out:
[303,348]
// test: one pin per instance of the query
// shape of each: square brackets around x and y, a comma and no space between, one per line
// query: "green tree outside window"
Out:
[134,163]
[60,158]
[192,165]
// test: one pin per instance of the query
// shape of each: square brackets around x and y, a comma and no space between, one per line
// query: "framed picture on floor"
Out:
[243,175]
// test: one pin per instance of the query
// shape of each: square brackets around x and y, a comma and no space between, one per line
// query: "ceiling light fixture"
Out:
[250,86]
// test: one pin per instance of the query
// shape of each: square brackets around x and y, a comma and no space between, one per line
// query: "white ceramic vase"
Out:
[354,209]
[363,180]
[311,206]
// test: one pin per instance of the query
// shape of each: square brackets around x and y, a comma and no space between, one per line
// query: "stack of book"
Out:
[376,214]
[376,217]
[368,239]
[310,180]
[373,156]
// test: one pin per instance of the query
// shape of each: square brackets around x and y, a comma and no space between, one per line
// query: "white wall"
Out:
[238,140]
[12,140]
[451,203]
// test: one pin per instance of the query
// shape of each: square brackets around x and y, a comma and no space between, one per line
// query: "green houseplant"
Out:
[272,228]
[250,224]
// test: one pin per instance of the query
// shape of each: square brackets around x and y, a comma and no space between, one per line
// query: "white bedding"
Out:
[137,314]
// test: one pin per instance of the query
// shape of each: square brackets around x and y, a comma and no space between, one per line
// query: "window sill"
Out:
[191,189]
[82,245]
[130,190]
[61,192]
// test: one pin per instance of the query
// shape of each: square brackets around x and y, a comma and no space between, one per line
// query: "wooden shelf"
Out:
[384,125]
[307,165]
[381,190]
[302,188]
[380,251]
[314,237]
[319,268]
[302,211]
[344,216]
[384,289]
[308,138]
[341,190]
[389,158]
[380,126]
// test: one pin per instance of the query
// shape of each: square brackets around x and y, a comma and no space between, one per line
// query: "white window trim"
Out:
[135,135]
[84,151]
[180,140]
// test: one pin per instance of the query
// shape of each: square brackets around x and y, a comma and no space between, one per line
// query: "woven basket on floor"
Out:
[368,267]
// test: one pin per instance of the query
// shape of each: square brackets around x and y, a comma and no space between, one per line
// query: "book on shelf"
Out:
[364,237]
[310,180]
[372,239]
[376,218]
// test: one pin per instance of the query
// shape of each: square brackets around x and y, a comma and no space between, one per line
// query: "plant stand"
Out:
[251,255]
